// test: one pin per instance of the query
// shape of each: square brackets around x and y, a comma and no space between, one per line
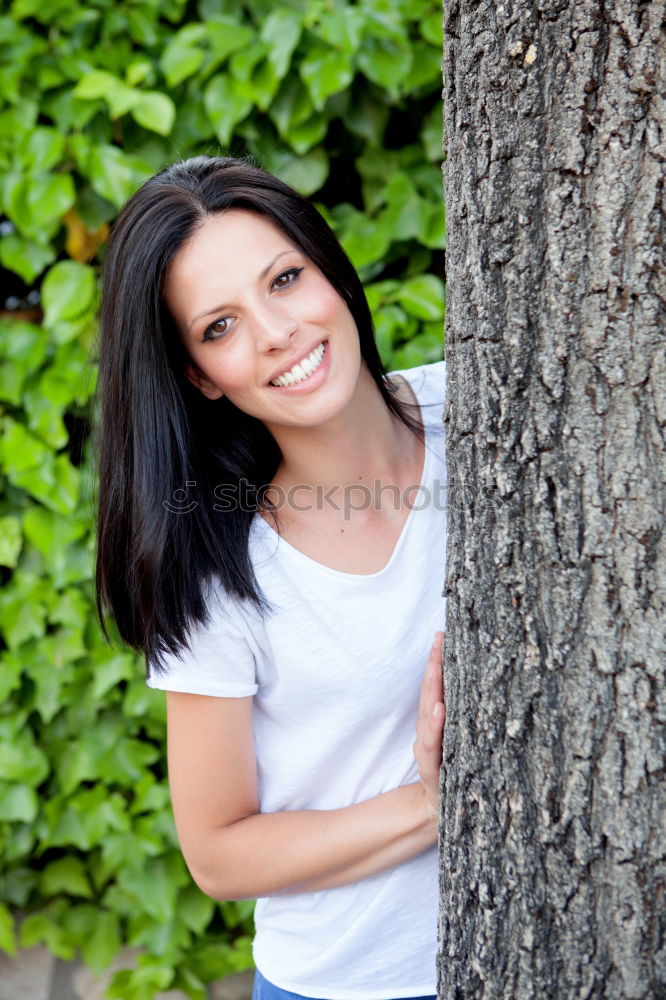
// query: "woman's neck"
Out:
[366,442]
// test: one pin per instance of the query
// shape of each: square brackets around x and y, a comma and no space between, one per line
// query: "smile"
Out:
[304,369]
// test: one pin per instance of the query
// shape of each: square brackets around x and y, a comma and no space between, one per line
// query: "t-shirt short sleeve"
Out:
[218,661]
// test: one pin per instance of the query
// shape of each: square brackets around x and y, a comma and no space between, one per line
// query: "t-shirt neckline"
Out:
[296,553]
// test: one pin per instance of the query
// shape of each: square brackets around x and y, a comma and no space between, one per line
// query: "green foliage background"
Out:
[342,100]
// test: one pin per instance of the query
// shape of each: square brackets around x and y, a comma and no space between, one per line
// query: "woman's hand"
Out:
[430,726]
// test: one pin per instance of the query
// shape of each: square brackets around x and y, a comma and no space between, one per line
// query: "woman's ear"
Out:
[202,382]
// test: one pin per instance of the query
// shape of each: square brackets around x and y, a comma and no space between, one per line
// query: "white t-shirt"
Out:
[335,669]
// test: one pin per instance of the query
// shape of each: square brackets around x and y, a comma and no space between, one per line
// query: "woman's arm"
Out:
[235,852]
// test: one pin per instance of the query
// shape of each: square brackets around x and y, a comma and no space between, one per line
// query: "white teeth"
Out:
[303,369]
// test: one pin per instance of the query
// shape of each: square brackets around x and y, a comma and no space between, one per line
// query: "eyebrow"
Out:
[262,275]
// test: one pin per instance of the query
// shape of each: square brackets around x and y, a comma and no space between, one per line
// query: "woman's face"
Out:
[261,323]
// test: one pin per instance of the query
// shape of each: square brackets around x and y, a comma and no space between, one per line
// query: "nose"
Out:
[274,329]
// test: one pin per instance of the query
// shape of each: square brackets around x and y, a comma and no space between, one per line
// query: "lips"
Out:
[302,369]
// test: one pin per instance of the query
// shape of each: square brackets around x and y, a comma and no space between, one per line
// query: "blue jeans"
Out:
[263,990]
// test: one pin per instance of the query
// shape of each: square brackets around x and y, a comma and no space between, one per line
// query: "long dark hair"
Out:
[156,554]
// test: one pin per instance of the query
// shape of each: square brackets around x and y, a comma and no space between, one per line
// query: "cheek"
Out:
[230,366]
[328,308]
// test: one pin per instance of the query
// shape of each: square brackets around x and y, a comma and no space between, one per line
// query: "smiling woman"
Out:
[304,737]
[271,302]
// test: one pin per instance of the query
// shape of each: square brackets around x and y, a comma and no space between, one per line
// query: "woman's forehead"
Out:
[237,231]
[227,251]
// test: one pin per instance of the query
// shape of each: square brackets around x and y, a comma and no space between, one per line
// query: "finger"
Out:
[425,684]
[429,733]
[437,686]
[431,691]
[432,731]
[431,673]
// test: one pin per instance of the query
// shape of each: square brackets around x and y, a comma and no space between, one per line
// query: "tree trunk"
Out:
[554,828]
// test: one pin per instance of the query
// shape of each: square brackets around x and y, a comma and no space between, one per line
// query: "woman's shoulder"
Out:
[220,653]
[428,382]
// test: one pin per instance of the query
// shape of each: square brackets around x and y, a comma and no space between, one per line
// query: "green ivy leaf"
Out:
[27,258]
[114,175]
[21,117]
[11,540]
[432,232]
[292,106]
[36,203]
[68,112]
[103,943]
[326,71]
[40,148]
[52,533]
[149,796]
[224,106]
[7,936]
[22,611]
[23,762]
[367,116]
[70,379]
[47,927]
[142,25]
[156,884]
[84,819]
[20,449]
[281,31]
[66,875]
[305,173]
[110,672]
[432,29]
[18,803]
[18,884]
[214,960]
[48,682]
[426,68]
[126,762]
[138,71]
[405,211]
[342,28]
[68,290]
[45,419]
[432,133]
[194,909]
[236,912]
[187,981]
[391,324]
[386,62]
[100,84]
[55,483]
[144,982]
[11,668]
[423,296]
[225,36]
[181,59]
[303,137]
[365,240]
[155,111]
[24,343]
[71,609]
[428,345]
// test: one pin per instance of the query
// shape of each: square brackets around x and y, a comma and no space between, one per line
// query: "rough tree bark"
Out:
[553,826]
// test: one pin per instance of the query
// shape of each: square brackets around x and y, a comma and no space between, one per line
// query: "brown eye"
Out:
[218,329]
[287,278]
